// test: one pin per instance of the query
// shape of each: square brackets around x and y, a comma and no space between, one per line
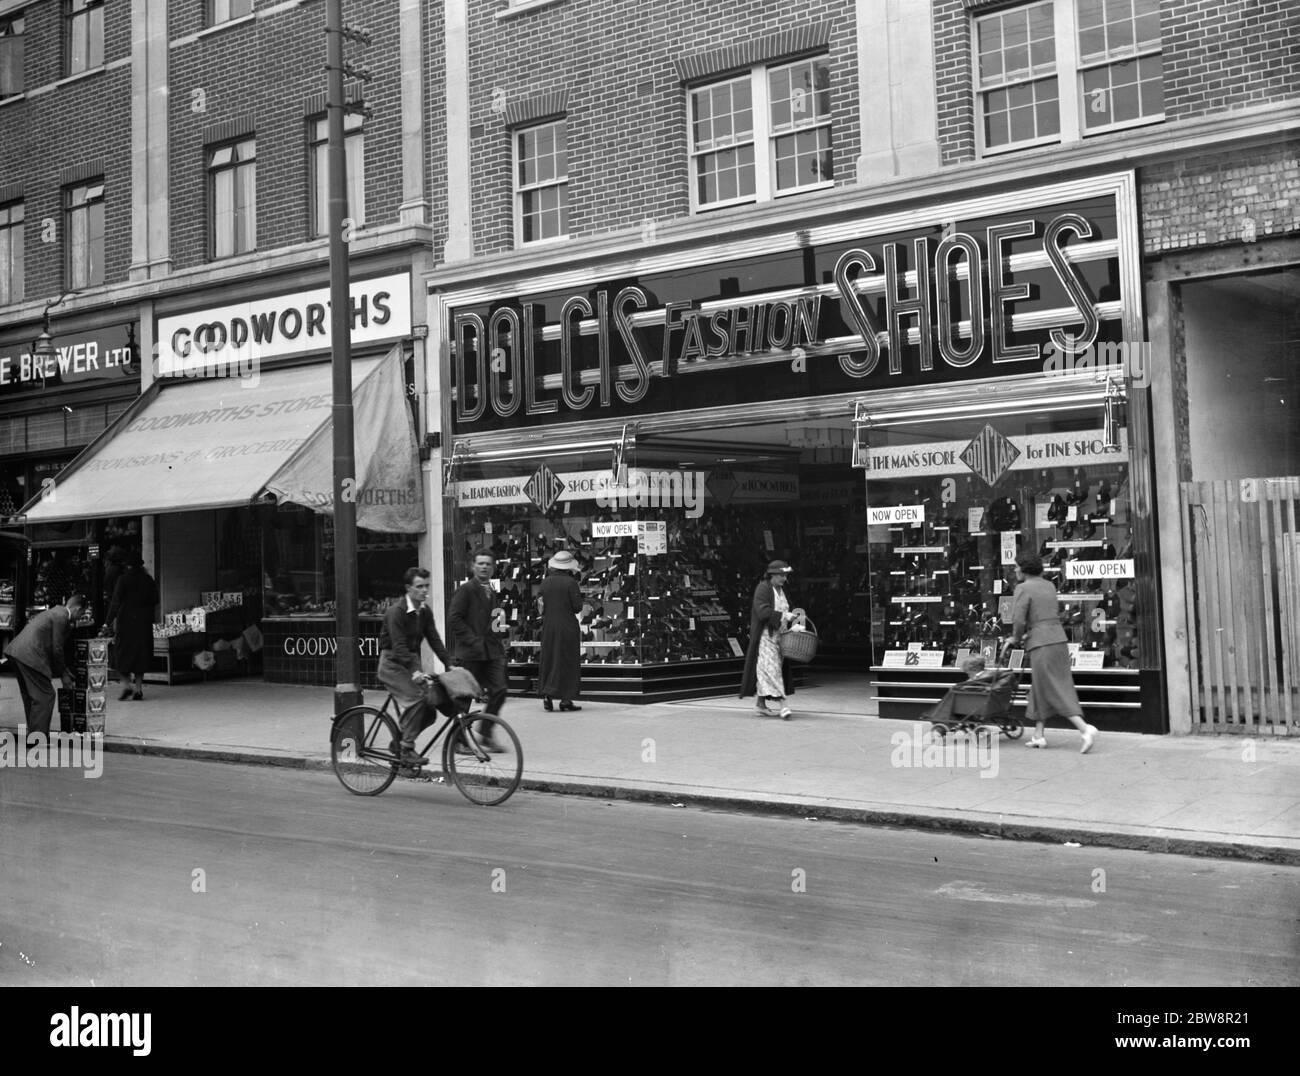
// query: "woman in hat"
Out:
[765,674]
[1037,628]
[559,664]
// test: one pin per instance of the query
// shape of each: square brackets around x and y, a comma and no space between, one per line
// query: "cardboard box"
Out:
[96,702]
[93,723]
[97,677]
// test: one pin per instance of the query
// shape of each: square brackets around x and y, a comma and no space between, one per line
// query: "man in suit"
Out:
[40,655]
[407,623]
[479,645]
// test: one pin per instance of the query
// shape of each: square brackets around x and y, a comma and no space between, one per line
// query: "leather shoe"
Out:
[569,706]
[547,705]
[126,694]
[413,758]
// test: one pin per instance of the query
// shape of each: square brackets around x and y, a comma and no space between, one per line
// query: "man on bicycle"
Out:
[406,623]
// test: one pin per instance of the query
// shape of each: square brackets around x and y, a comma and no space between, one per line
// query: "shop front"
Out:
[61,383]
[897,403]
[229,455]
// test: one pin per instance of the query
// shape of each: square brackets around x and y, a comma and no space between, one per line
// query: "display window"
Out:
[298,565]
[951,505]
[671,554]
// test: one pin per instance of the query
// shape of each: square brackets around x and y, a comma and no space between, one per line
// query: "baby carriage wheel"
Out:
[1011,728]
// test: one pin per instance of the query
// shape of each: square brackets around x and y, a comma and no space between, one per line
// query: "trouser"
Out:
[416,702]
[38,697]
[491,674]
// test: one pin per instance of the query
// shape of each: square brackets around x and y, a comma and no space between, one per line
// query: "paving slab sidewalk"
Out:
[1214,796]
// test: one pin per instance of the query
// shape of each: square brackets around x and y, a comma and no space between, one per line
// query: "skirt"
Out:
[1051,692]
[770,682]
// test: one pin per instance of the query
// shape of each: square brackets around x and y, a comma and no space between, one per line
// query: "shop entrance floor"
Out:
[849,693]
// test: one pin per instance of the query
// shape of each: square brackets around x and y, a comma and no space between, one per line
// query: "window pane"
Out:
[321,188]
[95,46]
[11,58]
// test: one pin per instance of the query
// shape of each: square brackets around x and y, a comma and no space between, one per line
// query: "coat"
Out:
[559,664]
[43,643]
[469,618]
[1036,614]
[135,595]
[763,617]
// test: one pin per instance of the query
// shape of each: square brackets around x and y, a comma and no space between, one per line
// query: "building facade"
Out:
[893,290]
[164,173]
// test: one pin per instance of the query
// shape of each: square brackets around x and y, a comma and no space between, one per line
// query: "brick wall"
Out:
[271,68]
[626,119]
[1217,55]
[46,132]
[954,79]
[1224,54]
[1221,198]
[435,132]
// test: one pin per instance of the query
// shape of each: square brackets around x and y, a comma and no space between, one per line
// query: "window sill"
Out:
[13,99]
[533,244]
[209,31]
[523,8]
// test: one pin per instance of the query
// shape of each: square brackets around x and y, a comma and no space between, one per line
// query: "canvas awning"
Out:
[226,442]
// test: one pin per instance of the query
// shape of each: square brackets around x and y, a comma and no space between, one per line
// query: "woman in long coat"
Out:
[766,674]
[130,618]
[559,664]
[1036,626]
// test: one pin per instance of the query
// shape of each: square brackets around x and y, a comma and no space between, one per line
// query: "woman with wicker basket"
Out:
[765,673]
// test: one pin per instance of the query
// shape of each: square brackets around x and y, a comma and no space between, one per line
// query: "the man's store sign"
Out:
[97,356]
[225,340]
[945,293]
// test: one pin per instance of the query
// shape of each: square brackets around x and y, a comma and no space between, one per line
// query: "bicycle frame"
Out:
[463,719]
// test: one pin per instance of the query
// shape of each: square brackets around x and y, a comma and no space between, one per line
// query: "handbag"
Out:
[800,645]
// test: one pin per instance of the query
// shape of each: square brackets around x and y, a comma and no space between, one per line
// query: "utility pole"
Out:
[347,686]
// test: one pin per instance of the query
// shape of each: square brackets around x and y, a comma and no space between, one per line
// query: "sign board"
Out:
[227,340]
[1078,448]
[896,513]
[95,357]
[1009,546]
[1099,569]
[651,538]
[618,528]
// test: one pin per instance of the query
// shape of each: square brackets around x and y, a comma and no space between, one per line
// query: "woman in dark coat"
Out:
[130,618]
[559,664]
[1036,626]
[766,674]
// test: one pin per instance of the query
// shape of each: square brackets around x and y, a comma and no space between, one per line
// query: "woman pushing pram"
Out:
[983,698]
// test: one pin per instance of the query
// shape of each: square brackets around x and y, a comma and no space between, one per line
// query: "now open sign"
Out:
[897,513]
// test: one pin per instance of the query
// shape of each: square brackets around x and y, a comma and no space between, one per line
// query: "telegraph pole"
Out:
[347,687]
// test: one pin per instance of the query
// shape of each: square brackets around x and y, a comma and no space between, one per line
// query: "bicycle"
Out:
[365,748]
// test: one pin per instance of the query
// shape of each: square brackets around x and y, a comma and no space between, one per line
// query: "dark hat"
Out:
[778,567]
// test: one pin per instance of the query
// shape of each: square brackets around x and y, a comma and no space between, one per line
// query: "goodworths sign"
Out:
[228,339]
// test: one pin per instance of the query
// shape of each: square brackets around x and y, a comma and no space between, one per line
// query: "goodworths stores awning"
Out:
[219,443]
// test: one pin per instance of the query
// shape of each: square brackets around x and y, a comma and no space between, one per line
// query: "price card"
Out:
[1072,513]
[895,659]
[975,520]
[1041,522]
[929,659]
[913,648]
[1009,547]
[963,656]
[1017,659]
[734,643]
[997,586]
[1090,659]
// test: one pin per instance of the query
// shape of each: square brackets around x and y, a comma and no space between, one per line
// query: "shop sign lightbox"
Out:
[229,340]
[970,289]
[93,357]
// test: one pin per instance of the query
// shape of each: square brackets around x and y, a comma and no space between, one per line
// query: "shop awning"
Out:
[226,442]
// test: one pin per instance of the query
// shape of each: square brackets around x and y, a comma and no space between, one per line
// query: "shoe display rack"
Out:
[945,584]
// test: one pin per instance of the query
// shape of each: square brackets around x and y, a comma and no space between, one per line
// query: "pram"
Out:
[977,703]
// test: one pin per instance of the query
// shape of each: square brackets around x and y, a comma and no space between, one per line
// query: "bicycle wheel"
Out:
[364,746]
[484,777]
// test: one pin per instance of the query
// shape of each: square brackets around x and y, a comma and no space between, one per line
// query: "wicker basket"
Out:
[799,645]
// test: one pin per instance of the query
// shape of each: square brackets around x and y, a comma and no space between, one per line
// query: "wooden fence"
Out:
[1241,548]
